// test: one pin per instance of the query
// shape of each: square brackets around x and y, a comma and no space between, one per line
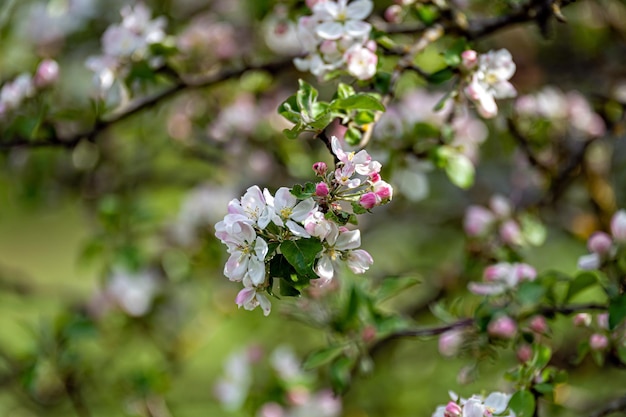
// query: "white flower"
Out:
[247,252]
[249,298]
[287,212]
[502,277]
[339,247]
[133,292]
[340,18]
[361,62]
[490,81]
[253,206]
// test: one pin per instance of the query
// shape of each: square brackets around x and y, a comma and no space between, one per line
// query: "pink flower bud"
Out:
[368,334]
[271,410]
[453,410]
[298,396]
[503,327]
[598,341]
[47,73]
[524,353]
[321,189]
[469,59]
[510,233]
[374,177]
[393,14]
[525,272]
[329,47]
[501,206]
[477,220]
[618,226]
[603,321]
[582,320]
[599,243]
[383,190]
[369,200]
[450,342]
[320,168]
[538,324]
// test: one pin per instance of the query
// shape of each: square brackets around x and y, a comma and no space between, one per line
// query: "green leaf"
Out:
[341,374]
[301,255]
[533,230]
[452,55]
[322,356]
[581,282]
[458,167]
[617,311]
[359,101]
[427,14]
[281,268]
[522,403]
[392,286]
[382,81]
[303,192]
[442,102]
[306,96]
[289,109]
[530,293]
[440,76]
[544,388]
[286,288]
[364,117]
[345,91]
[352,136]
[357,208]
[541,356]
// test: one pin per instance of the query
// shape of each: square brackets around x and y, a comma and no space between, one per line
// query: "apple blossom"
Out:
[288,211]
[249,298]
[582,320]
[618,226]
[503,327]
[477,220]
[502,277]
[340,18]
[450,342]
[321,189]
[599,243]
[47,73]
[320,168]
[339,246]
[361,62]
[598,341]
[490,81]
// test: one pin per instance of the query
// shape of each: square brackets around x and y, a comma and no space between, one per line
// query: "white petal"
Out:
[324,268]
[360,9]
[284,199]
[265,304]
[303,209]
[356,28]
[348,240]
[297,230]
[498,401]
[329,30]
[503,89]
[256,271]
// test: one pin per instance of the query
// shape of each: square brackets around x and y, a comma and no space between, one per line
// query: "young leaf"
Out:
[306,97]
[581,282]
[440,76]
[360,101]
[322,356]
[523,404]
[301,255]
[617,311]
[392,286]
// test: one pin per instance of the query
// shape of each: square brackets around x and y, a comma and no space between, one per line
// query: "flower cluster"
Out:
[336,37]
[604,246]
[24,86]
[261,230]
[562,110]
[503,277]
[293,395]
[495,403]
[480,220]
[125,43]
[488,79]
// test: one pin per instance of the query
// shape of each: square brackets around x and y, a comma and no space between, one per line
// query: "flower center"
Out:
[286,213]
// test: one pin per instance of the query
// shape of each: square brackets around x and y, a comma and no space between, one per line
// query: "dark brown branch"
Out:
[145,103]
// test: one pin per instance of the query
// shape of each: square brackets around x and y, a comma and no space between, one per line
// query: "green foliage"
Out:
[523,403]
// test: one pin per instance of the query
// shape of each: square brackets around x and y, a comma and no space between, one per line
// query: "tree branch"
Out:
[144,103]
